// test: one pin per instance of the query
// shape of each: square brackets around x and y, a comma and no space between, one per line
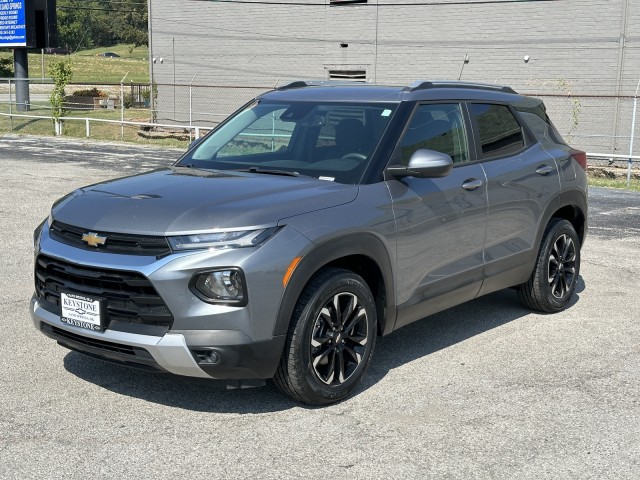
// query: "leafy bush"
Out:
[90,92]
[6,69]
[129,100]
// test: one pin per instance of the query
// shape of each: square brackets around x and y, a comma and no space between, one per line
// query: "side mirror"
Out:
[424,164]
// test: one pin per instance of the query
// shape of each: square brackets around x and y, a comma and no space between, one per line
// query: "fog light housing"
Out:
[208,357]
[225,286]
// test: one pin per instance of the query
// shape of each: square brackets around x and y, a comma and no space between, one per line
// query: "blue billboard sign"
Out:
[13,30]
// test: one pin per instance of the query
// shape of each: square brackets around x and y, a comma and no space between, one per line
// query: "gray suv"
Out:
[317,217]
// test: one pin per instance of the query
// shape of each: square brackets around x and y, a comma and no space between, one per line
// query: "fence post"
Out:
[10,107]
[191,105]
[633,132]
[122,106]
[87,127]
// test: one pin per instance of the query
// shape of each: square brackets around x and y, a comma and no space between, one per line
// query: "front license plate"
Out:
[81,311]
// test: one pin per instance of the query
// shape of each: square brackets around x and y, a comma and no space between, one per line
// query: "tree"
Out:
[130,24]
[102,23]
[82,28]
[61,74]
[5,68]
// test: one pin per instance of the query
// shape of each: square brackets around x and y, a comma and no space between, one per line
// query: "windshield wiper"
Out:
[267,171]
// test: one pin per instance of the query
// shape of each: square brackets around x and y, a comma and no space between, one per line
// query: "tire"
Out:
[326,354]
[554,277]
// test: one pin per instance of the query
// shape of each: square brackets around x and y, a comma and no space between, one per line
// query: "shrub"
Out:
[129,100]
[90,92]
[6,69]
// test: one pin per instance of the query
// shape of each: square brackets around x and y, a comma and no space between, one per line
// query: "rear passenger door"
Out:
[521,181]
[440,221]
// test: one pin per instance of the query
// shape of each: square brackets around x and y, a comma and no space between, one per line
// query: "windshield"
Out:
[328,141]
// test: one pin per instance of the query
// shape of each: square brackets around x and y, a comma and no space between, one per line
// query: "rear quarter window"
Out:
[544,131]
[500,133]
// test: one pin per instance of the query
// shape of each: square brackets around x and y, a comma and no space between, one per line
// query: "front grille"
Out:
[116,242]
[131,299]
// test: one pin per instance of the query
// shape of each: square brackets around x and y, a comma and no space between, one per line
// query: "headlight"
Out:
[224,286]
[232,239]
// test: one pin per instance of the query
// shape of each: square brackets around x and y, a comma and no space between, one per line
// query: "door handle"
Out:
[472,184]
[544,170]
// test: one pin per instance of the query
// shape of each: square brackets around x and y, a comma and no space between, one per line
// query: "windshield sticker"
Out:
[385,113]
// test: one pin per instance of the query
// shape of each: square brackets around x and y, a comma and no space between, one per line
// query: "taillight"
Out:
[580,157]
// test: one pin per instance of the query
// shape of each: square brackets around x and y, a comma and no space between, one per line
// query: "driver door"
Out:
[441,222]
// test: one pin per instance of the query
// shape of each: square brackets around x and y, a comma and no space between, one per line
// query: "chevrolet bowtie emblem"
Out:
[93,239]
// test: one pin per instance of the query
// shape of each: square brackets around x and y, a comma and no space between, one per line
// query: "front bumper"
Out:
[175,353]
[242,336]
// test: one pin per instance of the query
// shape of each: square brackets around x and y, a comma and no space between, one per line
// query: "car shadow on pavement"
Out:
[448,328]
[412,342]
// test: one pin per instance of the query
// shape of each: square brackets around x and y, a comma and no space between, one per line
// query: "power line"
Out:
[114,2]
[75,6]
[95,9]
[418,4]
[98,9]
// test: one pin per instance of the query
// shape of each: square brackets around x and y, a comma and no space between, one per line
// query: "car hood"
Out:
[179,201]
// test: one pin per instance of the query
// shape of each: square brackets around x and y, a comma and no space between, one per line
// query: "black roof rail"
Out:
[318,83]
[424,85]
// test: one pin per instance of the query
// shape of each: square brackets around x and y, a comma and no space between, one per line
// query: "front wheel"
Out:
[330,340]
[554,277]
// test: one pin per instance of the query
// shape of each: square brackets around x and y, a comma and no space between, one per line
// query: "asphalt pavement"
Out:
[484,390]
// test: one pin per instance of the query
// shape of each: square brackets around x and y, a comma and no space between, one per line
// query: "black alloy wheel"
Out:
[562,266]
[331,338]
[554,277]
[339,338]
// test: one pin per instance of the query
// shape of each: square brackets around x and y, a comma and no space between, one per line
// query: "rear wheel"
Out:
[330,340]
[554,277]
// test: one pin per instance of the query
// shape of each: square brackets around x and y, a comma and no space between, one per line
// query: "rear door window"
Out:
[500,133]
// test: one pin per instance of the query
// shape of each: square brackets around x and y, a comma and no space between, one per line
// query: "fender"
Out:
[574,198]
[577,198]
[321,255]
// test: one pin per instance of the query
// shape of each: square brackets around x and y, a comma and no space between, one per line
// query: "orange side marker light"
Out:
[292,266]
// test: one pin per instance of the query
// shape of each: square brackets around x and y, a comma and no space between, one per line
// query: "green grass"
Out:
[125,51]
[98,130]
[617,183]
[87,67]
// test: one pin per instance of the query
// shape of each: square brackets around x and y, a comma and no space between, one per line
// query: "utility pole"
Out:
[21,74]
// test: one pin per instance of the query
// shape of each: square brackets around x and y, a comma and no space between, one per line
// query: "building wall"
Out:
[573,46]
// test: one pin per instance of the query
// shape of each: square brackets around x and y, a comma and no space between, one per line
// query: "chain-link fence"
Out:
[602,126]
[103,111]
[176,113]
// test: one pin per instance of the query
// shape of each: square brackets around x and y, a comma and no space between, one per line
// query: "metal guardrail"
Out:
[630,160]
[197,130]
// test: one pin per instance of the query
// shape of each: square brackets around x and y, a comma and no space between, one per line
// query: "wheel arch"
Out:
[364,254]
[571,206]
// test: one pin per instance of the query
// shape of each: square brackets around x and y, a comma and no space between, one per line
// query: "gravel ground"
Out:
[484,390]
